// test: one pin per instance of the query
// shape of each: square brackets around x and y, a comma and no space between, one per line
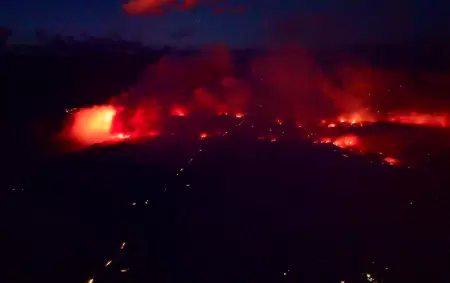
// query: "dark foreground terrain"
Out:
[242,210]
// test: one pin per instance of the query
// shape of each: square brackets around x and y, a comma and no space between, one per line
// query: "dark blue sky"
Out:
[313,22]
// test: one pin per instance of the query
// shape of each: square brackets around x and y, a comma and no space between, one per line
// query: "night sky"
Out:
[312,22]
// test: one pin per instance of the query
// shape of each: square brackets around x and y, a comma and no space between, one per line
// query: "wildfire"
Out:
[239,115]
[342,141]
[392,161]
[178,110]
[325,140]
[203,136]
[360,118]
[121,136]
[346,141]
[93,125]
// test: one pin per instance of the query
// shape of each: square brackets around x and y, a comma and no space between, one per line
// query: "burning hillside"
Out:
[284,84]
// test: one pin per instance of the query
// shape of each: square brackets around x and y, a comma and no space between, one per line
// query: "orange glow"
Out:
[392,161]
[279,122]
[203,136]
[121,136]
[220,113]
[325,140]
[178,110]
[239,115]
[357,118]
[346,141]
[93,125]
[273,139]
[332,125]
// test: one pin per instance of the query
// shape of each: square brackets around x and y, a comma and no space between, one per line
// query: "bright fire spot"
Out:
[178,110]
[299,125]
[108,263]
[357,118]
[415,118]
[93,125]
[203,136]
[123,245]
[273,139]
[279,122]
[222,113]
[239,115]
[121,136]
[346,141]
[392,161]
[325,140]
[332,125]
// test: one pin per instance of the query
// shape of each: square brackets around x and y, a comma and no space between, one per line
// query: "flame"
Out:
[93,125]
[178,110]
[342,141]
[239,115]
[346,141]
[203,136]
[357,118]
[391,160]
